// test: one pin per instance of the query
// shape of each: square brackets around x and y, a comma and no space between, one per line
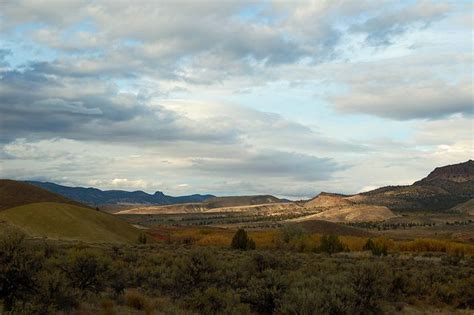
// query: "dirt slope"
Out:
[354,213]
[201,208]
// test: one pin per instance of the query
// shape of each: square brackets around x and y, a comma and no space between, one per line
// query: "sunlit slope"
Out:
[69,222]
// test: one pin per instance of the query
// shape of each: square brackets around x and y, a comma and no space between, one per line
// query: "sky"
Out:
[288,98]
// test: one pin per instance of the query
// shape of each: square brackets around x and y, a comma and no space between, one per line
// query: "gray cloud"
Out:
[280,164]
[410,101]
[36,103]
[383,27]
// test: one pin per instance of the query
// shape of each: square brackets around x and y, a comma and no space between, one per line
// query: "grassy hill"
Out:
[14,193]
[69,222]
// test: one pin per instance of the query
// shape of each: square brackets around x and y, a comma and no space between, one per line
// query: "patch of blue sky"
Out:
[22,50]
[300,104]
[255,12]
[26,52]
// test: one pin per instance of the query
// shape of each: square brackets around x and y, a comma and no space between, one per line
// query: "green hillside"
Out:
[69,222]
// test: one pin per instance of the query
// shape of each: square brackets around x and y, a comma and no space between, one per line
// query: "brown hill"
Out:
[325,200]
[444,188]
[236,201]
[15,193]
[459,173]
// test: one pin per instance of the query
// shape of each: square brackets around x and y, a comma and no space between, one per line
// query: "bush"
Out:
[331,244]
[291,232]
[265,292]
[319,295]
[142,238]
[54,293]
[377,249]
[18,269]
[242,241]
[87,270]
[369,282]
[135,300]
[216,301]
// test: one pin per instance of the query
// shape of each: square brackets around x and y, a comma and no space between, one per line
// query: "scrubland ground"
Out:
[194,271]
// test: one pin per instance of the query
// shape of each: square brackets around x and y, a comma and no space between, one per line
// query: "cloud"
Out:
[420,86]
[384,26]
[146,94]
[409,101]
[271,164]
[44,104]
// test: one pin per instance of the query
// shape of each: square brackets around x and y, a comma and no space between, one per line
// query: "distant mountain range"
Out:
[442,190]
[97,197]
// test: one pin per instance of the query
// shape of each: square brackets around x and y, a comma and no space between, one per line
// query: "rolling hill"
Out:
[63,221]
[97,197]
[328,200]
[41,213]
[15,193]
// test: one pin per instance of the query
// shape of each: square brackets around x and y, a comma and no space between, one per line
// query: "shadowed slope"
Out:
[15,193]
[325,227]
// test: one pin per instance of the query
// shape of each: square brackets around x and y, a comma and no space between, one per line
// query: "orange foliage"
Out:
[271,239]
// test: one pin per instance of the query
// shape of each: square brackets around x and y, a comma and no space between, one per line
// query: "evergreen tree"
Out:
[242,241]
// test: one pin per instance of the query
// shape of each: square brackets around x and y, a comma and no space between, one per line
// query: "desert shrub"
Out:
[242,241]
[135,300]
[318,295]
[265,261]
[265,292]
[466,292]
[376,248]
[217,301]
[194,270]
[107,307]
[119,277]
[87,270]
[54,293]
[331,244]
[142,238]
[370,284]
[19,266]
[291,231]
[446,293]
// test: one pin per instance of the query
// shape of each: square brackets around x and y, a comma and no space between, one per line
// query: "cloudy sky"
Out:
[231,97]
